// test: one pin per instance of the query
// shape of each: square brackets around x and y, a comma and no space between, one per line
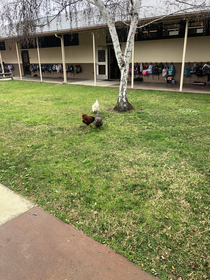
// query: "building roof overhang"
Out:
[96,27]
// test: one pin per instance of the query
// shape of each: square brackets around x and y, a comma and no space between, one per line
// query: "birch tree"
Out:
[123,60]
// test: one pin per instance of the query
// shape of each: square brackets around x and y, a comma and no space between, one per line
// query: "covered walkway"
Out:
[115,83]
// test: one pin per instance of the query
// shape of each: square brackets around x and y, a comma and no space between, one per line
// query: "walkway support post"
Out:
[63,57]
[18,58]
[132,68]
[39,60]
[94,59]
[1,63]
[184,54]
[2,66]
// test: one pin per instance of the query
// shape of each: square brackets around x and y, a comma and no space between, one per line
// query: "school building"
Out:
[82,46]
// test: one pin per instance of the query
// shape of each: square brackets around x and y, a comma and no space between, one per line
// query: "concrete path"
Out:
[12,205]
[36,245]
[115,83]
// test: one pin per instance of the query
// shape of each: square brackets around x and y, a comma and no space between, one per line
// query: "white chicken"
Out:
[95,107]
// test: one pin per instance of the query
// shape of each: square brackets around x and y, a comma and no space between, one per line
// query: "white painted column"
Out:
[1,63]
[183,55]
[94,59]
[63,57]
[132,68]
[39,60]
[18,58]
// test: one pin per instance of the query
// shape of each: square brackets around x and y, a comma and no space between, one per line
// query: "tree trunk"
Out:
[123,60]
[122,101]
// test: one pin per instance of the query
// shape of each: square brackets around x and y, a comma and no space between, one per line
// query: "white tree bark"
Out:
[123,60]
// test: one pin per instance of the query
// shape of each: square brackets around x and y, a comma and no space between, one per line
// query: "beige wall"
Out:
[100,38]
[82,53]
[170,50]
[198,49]
[47,55]
[9,56]
[158,51]
[74,54]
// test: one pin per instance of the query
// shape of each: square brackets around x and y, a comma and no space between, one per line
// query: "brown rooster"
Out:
[87,119]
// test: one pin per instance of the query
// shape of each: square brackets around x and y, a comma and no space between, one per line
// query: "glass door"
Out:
[102,69]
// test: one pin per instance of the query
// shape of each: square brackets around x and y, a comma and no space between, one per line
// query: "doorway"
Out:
[114,71]
[26,63]
[102,63]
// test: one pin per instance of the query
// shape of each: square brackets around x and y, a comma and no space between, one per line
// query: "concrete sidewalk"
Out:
[115,83]
[12,205]
[36,245]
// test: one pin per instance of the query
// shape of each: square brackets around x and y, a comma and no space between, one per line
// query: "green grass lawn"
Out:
[140,184]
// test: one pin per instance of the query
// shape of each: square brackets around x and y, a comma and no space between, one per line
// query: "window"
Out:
[207,27]
[174,29]
[53,41]
[71,39]
[102,70]
[149,32]
[101,56]
[196,28]
[122,35]
[31,44]
[49,42]
[2,46]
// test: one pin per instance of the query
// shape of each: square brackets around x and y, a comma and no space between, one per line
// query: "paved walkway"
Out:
[36,245]
[115,83]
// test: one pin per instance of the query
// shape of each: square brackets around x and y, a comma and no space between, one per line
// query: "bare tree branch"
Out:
[91,2]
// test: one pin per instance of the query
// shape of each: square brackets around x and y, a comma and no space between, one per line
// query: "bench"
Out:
[6,75]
